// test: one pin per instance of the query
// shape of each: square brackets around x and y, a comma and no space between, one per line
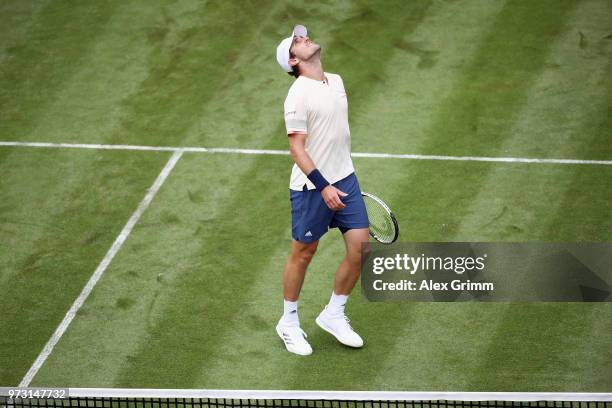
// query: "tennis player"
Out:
[324,191]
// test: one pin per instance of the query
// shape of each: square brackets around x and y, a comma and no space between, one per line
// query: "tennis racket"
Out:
[383,225]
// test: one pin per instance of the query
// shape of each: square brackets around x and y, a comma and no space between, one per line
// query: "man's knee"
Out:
[357,245]
[303,253]
[365,250]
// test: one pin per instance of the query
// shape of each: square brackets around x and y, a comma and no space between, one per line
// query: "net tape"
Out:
[128,398]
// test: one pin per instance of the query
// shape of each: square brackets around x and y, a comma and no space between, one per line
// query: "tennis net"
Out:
[133,398]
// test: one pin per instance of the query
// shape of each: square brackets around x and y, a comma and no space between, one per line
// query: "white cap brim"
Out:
[282,51]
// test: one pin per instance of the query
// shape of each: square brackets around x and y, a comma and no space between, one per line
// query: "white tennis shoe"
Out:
[294,338]
[339,327]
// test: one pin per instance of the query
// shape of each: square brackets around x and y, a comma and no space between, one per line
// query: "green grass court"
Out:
[192,297]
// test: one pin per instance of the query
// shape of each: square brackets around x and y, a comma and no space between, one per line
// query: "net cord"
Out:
[338,395]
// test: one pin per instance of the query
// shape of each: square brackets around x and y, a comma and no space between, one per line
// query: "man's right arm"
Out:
[331,195]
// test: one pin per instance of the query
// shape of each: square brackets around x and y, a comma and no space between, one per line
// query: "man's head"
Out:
[295,50]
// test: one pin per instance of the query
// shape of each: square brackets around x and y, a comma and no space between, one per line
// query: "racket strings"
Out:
[381,223]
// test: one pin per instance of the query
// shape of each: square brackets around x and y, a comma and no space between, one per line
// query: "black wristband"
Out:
[318,180]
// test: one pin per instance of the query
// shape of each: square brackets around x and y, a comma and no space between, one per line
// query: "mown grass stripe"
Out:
[366,41]
[186,67]
[18,17]
[213,291]
[207,334]
[50,52]
[520,336]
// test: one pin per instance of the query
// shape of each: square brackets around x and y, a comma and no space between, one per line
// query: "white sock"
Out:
[290,313]
[337,303]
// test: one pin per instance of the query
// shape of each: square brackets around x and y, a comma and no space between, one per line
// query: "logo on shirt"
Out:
[290,113]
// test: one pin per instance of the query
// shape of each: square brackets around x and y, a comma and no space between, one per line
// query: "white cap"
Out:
[282,51]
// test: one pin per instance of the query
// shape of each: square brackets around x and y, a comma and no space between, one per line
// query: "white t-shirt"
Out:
[320,110]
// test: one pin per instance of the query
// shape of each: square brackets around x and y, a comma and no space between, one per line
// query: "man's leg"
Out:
[348,272]
[332,319]
[288,328]
[295,269]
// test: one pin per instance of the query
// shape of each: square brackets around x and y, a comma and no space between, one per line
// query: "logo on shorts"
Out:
[308,234]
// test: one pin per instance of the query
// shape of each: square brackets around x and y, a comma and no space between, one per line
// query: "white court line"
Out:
[125,232]
[339,395]
[284,152]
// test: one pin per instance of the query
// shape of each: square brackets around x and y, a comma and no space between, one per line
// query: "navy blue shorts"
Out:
[311,217]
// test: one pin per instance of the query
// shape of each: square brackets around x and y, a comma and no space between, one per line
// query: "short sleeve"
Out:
[340,83]
[295,113]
